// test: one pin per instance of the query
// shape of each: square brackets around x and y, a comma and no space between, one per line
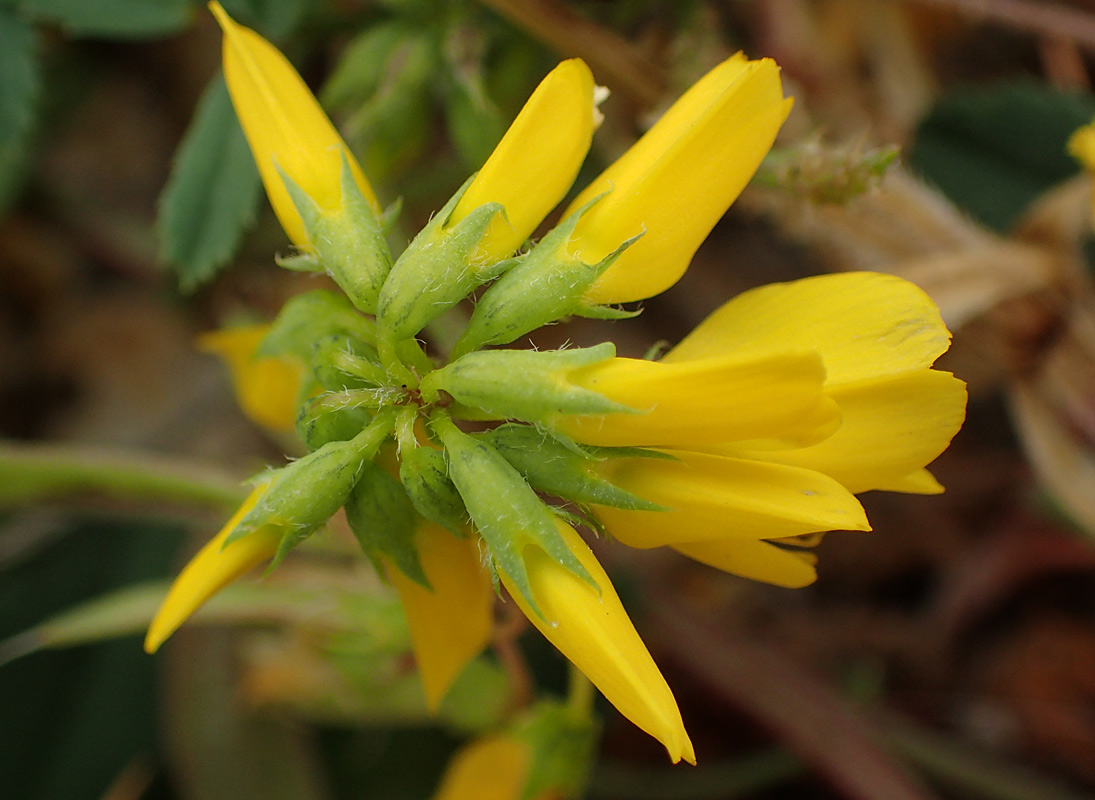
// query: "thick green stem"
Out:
[29,473]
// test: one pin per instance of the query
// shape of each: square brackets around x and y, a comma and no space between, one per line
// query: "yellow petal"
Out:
[678,180]
[537,160]
[214,567]
[451,624]
[267,389]
[595,633]
[865,325]
[756,560]
[891,428]
[702,402]
[919,482]
[714,497]
[1081,146]
[284,126]
[495,768]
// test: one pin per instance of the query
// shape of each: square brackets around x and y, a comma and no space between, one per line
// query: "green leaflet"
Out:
[211,197]
[19,88]
[112,18]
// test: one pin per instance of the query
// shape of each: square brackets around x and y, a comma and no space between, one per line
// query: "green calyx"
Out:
[528,385]
[379,416]
[545,286]
[505,510]
[437,270]
[349,241]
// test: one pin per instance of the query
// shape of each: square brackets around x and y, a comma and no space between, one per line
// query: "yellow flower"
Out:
[267,388]
[1081,146]
[285,127]
[722,398]
[593,630]
[451,623]
[768,419]
[215,566]
[678,180]
[877,337]
[494,768]
[537,160]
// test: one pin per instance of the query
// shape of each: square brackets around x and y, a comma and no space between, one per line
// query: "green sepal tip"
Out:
[384,522]
[439,268]
[349,241]
[506,511]
[558,468]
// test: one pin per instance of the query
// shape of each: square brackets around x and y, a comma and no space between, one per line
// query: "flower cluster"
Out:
[756,430]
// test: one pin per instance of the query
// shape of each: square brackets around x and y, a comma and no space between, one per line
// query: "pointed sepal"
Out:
[384,522]
[438,269]
[348,241]
[506,511]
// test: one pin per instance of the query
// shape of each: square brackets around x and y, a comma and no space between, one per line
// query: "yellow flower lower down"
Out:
[214,567]
[593,631]
[495,768]
[266,388]
[451,624]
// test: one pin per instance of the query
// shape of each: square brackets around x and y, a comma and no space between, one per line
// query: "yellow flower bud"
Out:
[495,768]
[215,566]
[285,127]
[678,180]
[450,623]
[537,160]
[592,629]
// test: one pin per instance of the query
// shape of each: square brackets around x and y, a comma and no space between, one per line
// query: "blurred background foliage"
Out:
[948,654]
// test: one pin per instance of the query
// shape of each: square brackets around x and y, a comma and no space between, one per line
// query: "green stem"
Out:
[389,358]
[29,473]
[404,429]
[580,695]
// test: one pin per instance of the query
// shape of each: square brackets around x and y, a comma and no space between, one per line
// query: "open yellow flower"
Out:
[877,337]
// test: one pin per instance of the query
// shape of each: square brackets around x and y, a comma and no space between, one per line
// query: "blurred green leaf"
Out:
[112,18]
[19,68]
[993,151]
[474,121]
[210,199]
[19,89]
[75,718]
[362,67]
[395,124]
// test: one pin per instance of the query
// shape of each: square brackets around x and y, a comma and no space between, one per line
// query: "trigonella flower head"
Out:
[756,430]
